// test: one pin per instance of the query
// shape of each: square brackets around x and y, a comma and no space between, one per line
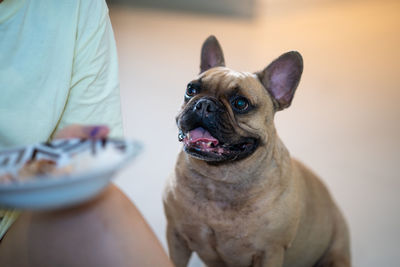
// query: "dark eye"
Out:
[240,104]
[191,90]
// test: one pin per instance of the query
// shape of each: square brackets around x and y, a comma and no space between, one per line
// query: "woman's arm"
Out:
[107,231]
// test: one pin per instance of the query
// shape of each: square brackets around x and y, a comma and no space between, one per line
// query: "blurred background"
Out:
[343,122]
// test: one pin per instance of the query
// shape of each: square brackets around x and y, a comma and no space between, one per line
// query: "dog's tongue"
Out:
[201,135]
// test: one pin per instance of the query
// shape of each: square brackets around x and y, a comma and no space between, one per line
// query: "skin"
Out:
[106,231]
[264,210]
[83,131]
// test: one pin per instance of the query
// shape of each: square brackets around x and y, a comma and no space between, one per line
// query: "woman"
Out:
[59,79]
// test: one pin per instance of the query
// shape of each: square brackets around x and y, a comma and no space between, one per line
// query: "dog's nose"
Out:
[205,107]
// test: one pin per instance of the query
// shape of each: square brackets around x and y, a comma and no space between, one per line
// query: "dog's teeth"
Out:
[209,144]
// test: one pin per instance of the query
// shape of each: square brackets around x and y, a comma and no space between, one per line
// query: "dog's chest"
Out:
[218,230]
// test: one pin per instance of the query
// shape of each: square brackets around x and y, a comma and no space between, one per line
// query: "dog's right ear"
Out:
[211,54]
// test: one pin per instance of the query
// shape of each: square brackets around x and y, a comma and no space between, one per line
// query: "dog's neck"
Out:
[267,167]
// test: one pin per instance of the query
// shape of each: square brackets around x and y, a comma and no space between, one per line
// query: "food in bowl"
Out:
[34,168]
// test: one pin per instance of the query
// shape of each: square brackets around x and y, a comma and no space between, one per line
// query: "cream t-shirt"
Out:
[58,66]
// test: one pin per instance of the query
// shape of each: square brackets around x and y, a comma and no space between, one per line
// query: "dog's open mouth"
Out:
[201,144]
[200,139]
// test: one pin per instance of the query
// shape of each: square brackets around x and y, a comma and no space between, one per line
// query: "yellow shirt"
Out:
[58,66]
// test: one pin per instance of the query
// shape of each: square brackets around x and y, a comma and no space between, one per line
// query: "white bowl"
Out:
[93,164]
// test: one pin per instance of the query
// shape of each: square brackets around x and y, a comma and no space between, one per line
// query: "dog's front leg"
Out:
[179,251]
[273,257]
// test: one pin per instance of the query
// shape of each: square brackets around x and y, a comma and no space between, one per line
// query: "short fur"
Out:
[265,209]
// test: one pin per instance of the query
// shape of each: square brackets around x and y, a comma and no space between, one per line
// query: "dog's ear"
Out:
[281,78]
[211,54]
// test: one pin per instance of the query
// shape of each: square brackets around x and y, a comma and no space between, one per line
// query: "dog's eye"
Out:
[240,104]
[191,90]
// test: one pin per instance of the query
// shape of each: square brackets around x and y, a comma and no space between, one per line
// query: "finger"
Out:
[96,131]
[83,131]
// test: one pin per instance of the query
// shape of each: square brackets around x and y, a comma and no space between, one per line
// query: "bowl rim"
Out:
[132,150]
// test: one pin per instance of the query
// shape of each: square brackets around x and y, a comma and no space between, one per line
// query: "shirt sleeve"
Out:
[94,90]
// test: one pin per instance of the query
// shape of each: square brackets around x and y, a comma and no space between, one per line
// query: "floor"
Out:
[343,122]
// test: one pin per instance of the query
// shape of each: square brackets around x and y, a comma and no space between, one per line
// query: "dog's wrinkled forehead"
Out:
[220,80]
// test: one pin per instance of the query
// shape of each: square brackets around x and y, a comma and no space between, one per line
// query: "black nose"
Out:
[205,106]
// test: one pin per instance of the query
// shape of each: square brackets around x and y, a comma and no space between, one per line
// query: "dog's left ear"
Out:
[281,78]
[211,54]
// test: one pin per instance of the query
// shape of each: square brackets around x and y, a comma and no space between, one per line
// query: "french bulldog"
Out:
[236,197]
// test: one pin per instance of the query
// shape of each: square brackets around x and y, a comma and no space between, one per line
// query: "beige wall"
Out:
[344,121]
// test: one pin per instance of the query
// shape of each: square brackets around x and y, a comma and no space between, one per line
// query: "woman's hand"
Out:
[83,131]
